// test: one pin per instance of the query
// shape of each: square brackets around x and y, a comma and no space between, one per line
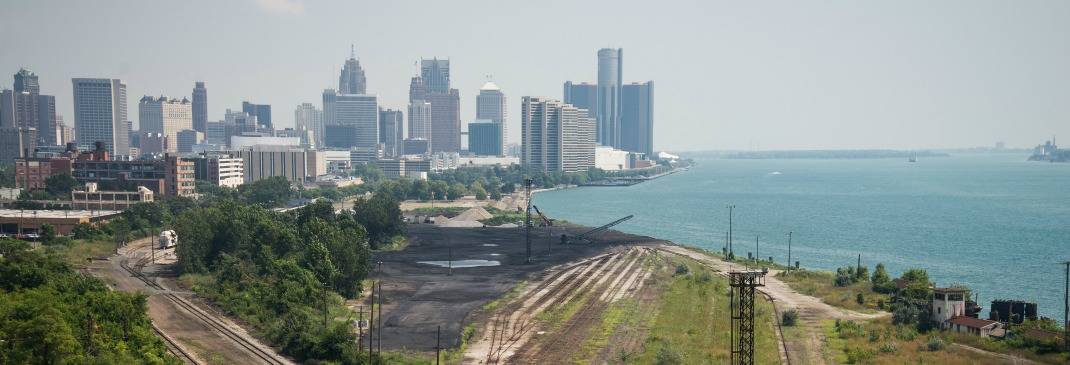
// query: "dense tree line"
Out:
[52,314]
[277,270]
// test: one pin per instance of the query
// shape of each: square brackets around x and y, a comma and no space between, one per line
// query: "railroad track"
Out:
[268,357]
[507,332]
[174,348]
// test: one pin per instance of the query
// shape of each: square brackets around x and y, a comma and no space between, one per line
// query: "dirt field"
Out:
[418,297]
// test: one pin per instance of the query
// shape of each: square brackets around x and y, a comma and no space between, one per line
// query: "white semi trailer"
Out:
[168,239]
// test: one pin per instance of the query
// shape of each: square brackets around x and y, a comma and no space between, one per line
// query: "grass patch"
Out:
[507,216]
[821,284]
[447,211]
[508,297]
[398,243]
[692,323]
[880,342]
[79,250]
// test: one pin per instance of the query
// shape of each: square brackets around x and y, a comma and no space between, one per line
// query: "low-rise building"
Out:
[261,162]
[170,175]
[219,170]
[31,173]
[92,199]
[21,221]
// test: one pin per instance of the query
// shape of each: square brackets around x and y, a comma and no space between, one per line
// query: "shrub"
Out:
[874,335]
[907,334]
[789,318]
[889,348]
[850,329]
[668,356]
[858,355]
[860,298]
[703,277]
[935,344]
[682,269]
[905,314]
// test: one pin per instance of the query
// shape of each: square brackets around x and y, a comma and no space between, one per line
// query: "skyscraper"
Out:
[491,105]
[610,68]
[637,118]
[485,138]
[25,107]
[352,80]
[166,116]
[445,121]
[556,136]
[261,111]
[26,81]
[100,114]
[391,127]
[329,98]
[436,74]
[308,118]
[420,119]
[200,107]
[361,114]
[583,96]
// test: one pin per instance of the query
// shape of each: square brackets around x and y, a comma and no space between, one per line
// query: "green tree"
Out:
[455,192]
[59,186]
[381,218]
[7,175]
[48,233]
[916,283]
[478,190]
[271,192]
[882,283]
[439,189]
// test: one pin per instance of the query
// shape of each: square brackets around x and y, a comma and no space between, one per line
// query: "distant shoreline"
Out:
[831,154]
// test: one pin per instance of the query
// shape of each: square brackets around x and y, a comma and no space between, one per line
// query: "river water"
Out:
[994,222]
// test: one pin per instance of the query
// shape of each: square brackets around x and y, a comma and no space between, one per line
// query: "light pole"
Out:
[1066,307]
[789,250]
[731,250]
[527,217]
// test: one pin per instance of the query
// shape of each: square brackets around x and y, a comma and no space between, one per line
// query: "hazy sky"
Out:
[728,75]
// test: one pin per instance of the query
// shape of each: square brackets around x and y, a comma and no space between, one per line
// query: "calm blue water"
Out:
[994,222]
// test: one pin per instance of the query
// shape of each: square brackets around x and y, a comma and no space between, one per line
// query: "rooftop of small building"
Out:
[971,322]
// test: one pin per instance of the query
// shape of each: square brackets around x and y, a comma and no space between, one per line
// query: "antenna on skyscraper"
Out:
[352,51]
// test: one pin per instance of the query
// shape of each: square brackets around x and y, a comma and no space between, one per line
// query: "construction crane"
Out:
[545,221]
[585,236]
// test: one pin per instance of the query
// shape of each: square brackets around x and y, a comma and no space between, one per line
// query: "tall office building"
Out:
[352,80]
[420,119]
[26,81]
[491,105]
[261,111]
[637,118]
[308,118]
[556,136]
[436,74]
[583,96]
[445,121]
[100,114]
[610,67]
[361,114]
[485,138]
[25,107]
[391,131]
[167,116]
[200,107]
[329,97]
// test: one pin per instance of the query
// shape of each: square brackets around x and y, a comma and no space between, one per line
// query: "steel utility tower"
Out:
[742,310]
[527,217]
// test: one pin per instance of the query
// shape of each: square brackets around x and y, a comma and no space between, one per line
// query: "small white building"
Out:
[610,159]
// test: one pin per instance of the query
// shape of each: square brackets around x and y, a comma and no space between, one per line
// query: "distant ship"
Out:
[913,157]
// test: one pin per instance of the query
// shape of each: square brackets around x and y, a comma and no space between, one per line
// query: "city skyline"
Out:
[878,82]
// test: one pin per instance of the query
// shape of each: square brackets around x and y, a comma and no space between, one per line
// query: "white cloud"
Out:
[291,7]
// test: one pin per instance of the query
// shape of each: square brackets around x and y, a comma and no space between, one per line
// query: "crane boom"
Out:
[543,216]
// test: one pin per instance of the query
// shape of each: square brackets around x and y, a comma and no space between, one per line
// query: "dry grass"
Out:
[821,284]
[692,321]
[880,342]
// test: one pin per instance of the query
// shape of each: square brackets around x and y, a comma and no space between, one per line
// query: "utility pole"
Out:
[380,324]
[153,241]
[360,330]
[527,217]
[789,251]
[371,323]
[756,260]
[438,343]
[731,251]
[1066,308]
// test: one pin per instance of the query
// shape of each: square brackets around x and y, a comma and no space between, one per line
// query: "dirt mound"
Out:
[473,214]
